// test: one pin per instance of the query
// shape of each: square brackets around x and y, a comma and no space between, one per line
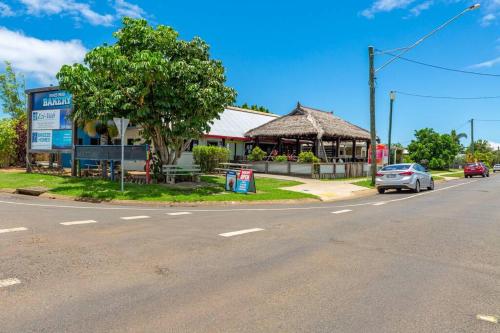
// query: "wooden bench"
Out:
[172,172]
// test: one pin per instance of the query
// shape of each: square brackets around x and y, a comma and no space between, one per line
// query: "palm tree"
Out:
[456,137]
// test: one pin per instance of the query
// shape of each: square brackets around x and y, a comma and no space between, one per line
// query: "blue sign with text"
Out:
[52,100]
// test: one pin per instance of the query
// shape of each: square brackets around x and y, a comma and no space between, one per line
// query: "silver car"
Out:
[403,176]
[496,168]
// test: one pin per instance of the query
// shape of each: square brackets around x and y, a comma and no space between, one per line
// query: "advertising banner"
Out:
[231,179]
[382,154]
[51,125]
[41,140]
[62,139]
[45,120]
[245,182]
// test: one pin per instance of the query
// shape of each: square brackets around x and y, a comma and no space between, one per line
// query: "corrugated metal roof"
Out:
[235,122]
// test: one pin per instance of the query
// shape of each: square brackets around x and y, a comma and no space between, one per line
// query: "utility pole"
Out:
[392,95]
[472,136]
[373,134]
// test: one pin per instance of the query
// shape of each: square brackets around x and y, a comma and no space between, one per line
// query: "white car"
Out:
[403,176]
[496,168]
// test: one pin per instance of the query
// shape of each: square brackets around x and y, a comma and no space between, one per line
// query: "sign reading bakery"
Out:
[51,125]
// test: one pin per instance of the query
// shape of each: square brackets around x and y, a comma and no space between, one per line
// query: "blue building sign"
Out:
[51,125]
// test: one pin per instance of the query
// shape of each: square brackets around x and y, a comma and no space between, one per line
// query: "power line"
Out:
[486,120]
[441,67]
[446,97]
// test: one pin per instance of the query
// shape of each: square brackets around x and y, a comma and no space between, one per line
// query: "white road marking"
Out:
[3,231]
[179,213]
[379,203]
[342,211]
[79,222]
[9,282]
[96,207]
[488,318]
[240,232]
[135,217]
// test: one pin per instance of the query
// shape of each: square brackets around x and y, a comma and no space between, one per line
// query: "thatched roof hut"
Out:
[308,123]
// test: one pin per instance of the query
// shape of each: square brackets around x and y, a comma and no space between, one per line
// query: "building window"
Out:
[213,143]
[193,144]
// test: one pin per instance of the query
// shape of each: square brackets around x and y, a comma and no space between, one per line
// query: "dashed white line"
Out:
[342,211]
[179,213]
[79,222]
[9,282]
[240,232]
[379,203]
[3,231]
[488,318]
[135,217]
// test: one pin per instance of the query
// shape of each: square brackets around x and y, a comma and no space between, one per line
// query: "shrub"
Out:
[281,158]
[437,164]
[8,139]
[257,154]
[209,157]
[307,157]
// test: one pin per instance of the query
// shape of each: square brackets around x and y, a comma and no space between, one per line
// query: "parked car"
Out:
[411,176]
[476,169]
[496,168]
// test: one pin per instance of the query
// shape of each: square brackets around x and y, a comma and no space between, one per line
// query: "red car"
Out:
[476,169]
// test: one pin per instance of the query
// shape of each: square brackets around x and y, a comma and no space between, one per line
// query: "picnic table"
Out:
[176,171]
[225,167]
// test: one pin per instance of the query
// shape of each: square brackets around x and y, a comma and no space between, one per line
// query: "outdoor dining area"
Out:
[341,146]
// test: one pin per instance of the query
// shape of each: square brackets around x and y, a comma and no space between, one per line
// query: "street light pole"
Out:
[373,139]
[472,137]
[392,96]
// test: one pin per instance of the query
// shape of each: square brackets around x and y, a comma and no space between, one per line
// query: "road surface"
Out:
[384,263]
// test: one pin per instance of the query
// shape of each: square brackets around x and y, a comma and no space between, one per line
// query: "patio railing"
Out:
[313,170]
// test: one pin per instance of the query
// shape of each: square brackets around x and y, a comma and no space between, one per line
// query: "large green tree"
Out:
[12,94]
[13,103]
[171,88]
[436,150]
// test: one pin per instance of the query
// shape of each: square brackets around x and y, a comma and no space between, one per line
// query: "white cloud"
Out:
[487,64]
[415,11]
[5,10]
[37,58]
[77,10]
[124,8]
[385,6]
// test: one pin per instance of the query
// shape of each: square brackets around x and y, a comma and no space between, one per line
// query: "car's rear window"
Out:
[472,164]
[396,167]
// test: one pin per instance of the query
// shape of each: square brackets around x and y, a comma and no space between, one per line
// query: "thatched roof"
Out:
[307,122]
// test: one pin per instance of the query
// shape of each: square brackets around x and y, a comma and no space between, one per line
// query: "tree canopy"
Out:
[171,88]
[12,94]
[255,107]
[434,149]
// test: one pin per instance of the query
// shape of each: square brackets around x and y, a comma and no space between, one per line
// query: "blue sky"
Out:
[279,52]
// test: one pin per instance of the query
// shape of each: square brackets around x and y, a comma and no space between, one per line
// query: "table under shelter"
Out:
[329,137]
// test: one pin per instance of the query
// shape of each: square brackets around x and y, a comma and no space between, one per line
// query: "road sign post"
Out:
[122,124]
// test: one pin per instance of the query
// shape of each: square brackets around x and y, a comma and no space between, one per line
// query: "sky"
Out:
[277,53]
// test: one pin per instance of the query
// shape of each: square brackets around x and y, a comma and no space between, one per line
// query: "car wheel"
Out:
[381,190]
[399,190]
[417,187]
[483,175]
[431,185]
[488,174]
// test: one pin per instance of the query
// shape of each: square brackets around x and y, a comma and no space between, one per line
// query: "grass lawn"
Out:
[366,182]
[211,189]
[444,171]
[454,174]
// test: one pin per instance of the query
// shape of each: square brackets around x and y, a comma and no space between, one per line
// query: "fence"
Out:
[317,170]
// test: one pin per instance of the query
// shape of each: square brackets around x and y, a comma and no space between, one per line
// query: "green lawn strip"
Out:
[443,171]
[211,189]
[364,183]
[455,174]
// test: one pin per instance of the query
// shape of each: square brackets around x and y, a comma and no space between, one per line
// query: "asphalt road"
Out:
[384,263]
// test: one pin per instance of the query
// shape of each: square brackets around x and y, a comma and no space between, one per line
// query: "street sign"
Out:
[121,124]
